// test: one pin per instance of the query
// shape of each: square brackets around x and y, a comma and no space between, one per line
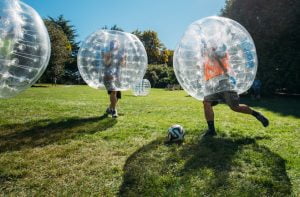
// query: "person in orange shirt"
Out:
[216,64]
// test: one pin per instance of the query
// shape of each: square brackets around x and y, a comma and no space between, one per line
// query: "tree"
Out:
[60,53]
[138,33]
[114,27]
[171,55]
[274,26]
[157,53]
[152,45]
[69,31]
[167,57]
[71,73]
[159,75]
[164,56]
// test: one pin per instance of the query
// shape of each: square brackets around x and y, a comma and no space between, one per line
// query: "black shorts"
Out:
[119,95]
[231,98]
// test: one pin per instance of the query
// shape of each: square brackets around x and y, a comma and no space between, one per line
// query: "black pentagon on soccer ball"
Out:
[175,134]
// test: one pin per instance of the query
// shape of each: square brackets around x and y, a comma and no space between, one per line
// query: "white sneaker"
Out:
[114,113]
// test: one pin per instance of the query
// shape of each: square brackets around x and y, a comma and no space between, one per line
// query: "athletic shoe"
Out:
[209,133]
[264,121]
[108,111]
[114,113]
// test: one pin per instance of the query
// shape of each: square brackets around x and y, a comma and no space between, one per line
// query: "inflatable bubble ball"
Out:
[215,54]
[112,59]
[24,47]
[142,88]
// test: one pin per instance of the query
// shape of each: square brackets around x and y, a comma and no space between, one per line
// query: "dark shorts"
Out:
[231,98]
[119,95]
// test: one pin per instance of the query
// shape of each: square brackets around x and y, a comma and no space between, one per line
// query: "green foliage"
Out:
[160,76]
[114,27]
[71,74]
[170,58]
[167,57]
[274,26]
[60,53]
[157,53]
[138,33]
[54,141]
[69,30]
[153,46]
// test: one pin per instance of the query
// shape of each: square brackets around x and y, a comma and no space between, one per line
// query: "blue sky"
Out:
[169,18]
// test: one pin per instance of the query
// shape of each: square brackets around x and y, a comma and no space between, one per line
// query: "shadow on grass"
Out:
[45,132]
[209,167]
[286,106]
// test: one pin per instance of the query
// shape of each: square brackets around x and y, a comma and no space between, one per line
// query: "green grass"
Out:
[55,141]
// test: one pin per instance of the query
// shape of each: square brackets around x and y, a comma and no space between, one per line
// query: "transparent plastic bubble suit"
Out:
[112,59]
[142,88]
[215,54]
[24,47]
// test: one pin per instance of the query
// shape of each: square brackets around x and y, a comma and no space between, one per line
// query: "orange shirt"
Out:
[212,67]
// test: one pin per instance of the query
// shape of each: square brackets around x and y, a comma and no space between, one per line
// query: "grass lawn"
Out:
[55,141]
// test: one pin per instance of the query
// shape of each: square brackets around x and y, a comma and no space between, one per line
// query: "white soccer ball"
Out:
[176,133]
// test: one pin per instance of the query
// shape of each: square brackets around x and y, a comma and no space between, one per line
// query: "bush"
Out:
[161,76]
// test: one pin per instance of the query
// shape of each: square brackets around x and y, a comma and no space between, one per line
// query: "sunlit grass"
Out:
[55,141]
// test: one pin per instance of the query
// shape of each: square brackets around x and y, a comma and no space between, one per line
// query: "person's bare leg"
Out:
[113,100]
[209,116]
[241,108]
[208,111]
[113,104]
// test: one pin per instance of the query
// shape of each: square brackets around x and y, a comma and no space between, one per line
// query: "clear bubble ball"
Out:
[112,59]
[215,54]
[24,47]
[142,88]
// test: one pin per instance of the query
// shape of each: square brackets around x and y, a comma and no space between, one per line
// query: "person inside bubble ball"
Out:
[114,59]
[216,65]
